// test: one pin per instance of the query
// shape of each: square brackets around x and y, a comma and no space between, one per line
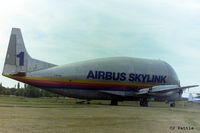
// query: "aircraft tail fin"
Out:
[18,61]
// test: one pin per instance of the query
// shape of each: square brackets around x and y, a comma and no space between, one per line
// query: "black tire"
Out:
[114,102]
[144,102]
[172,104]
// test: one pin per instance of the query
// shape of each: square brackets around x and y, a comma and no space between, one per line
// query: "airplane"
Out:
[194,99]
[112,78]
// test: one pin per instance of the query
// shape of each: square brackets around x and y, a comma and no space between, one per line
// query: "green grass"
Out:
[60,115]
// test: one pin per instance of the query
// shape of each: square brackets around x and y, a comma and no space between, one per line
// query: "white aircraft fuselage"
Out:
[114,78]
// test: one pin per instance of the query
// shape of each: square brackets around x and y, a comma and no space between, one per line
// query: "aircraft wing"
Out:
[146,91]
[163,88]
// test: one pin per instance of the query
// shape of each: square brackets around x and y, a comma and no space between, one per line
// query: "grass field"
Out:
[60,115]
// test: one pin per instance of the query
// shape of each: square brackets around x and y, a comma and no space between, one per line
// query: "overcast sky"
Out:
[66,31]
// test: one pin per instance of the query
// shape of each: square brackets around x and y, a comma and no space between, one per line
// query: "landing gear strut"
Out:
[143,102]
[114,102]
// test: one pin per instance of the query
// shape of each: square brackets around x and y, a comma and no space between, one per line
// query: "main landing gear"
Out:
[143,102]
[172,104]
[114,102]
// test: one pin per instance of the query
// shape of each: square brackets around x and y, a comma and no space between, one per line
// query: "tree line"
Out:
[26,91]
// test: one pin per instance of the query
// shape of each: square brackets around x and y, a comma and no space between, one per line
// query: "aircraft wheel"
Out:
[172,104]
[114,102]
[144,102]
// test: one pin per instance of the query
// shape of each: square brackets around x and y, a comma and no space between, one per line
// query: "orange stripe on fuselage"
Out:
[50,82]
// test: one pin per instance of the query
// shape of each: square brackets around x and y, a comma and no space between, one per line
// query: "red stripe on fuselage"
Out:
[64,84]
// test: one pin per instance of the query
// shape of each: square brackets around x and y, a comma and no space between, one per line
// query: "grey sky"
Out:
[67,31]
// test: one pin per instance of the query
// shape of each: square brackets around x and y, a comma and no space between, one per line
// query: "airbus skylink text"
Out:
[122,76]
